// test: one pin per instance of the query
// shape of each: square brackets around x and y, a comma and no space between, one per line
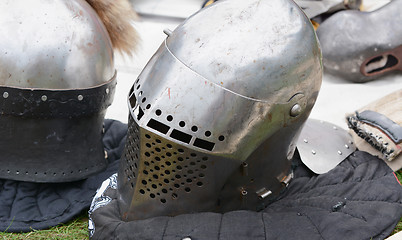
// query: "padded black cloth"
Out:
[359,199]
[25,206]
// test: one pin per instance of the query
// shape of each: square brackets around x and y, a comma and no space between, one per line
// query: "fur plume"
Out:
[117,16]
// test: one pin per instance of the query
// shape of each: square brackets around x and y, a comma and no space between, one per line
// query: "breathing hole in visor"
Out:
[158,126]
[379,64]
[181,136]
[207,145]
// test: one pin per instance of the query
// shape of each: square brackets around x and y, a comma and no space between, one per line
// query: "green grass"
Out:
[78,228]
[75,229]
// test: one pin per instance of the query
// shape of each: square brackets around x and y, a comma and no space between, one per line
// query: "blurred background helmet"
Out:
[215,114]
[57,78]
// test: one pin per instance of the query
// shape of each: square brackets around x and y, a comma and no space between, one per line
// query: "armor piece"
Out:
[362,46]
[215,114]
[321,156]
[314,8]
[57,79]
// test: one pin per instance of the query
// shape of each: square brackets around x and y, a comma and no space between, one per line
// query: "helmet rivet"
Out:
[44,98]
[335,128]
[5,95]
[168,32]
[313,152]
[80,97]
[296,110]
[346,146]
[186,238]
[339,152]
[107,90]
[305,140]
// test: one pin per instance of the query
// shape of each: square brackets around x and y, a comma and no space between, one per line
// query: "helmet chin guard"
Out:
[213,120]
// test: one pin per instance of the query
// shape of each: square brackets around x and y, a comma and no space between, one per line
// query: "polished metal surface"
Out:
[323,145]
[213,121]
[60,44]
[356,45]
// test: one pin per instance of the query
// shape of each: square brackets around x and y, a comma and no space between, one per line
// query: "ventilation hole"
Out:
[169,118]
[144,99]
[154,186]
[157,159]
[148,106]
[164,190]
[201,175]
[180,150]
[168,154]
[155,176]
[205,158]
[166,180]
[174,195]
[145,172]
[207,145]
[148,145]
[199,184]
[158,112]
[142,191]
[167,171]
[193,155]
[178,176]
[182,124]
[152,195]
[157,168]
[147,154]
[187,189]
[146,163]
[221,138]
[158,126]
[176,185]
[179,167]
[169,145]
[138,87]
[157,149]
[140,113]
[163,200]
[168,163]
[181,136]
[203,166]
[158,141]
[144,182]
[133,101]
[189,180]
[137,80]
[194,128]
[147,136]
[207,133]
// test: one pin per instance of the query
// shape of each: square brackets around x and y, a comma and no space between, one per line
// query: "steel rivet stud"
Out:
[44,98]
[107,90]
[80,97]
[5,95]
[305,140]
[296,110]
[346,146]
[313,152]
[168,32]
[335,128]
[186,238]
[339,152]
